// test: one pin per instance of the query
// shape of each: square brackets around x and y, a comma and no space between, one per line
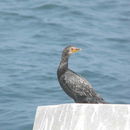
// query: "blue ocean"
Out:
[33,34]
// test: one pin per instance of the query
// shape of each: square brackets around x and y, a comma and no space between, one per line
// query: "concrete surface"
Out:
[83,117]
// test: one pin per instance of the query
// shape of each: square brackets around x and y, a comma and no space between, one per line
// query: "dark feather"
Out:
[79,88]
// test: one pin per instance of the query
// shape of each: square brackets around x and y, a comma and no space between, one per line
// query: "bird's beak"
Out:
[74,50]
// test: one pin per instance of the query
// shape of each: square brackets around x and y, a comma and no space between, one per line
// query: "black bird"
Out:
[73,84]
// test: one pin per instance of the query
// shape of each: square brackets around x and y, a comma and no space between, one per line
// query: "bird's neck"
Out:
[63,65]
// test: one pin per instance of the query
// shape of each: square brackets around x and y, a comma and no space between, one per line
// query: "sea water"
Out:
[33,34]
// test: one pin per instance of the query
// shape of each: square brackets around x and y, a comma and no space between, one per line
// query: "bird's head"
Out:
[70,50]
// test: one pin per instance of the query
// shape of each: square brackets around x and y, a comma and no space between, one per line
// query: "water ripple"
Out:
[32,37]
[49,6]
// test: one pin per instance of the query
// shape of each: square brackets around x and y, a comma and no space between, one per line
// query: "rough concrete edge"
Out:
[57,105]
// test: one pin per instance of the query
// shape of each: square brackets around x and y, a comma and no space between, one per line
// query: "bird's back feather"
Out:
[79,88]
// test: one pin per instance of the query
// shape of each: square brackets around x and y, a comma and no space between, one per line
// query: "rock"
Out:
[83,117]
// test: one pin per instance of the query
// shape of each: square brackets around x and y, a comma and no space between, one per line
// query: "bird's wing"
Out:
[77,84]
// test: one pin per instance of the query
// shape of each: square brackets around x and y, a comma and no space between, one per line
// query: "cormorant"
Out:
[73,84]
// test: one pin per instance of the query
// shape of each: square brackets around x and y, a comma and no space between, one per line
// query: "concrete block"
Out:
[83,117]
